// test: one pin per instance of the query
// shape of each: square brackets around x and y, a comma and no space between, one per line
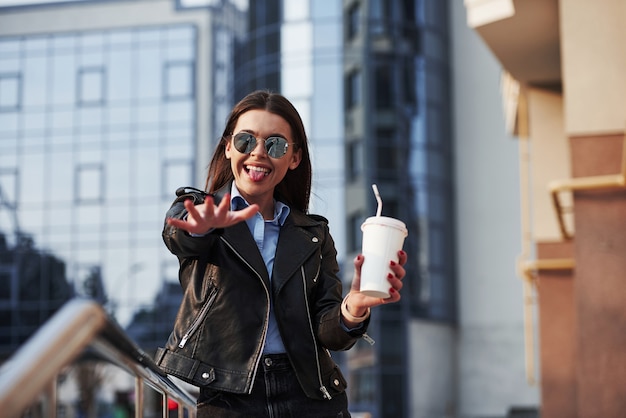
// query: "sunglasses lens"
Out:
[244,142]
[276,146]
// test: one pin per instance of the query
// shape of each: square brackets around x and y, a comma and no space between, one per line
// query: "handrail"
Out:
[79,325]
[585,183]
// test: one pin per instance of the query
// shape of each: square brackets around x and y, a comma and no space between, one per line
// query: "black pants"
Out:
[276,394]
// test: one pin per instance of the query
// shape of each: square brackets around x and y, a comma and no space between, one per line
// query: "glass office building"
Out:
[98,127]
[97,130]
[100,122]
[376,106]
[398,136]
[295,47]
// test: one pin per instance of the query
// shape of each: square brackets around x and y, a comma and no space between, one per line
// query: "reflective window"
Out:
[8,186]
[353,89]
[383,85]
[91,86]
[354,234]
[353,21]
[89,184]
[10,91]
[176,173]
[355,159]
[386,154]
[178,80]
[381,13]
[363,386]
[92,148]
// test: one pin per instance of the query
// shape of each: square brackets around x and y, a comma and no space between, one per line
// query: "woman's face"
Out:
[257,174]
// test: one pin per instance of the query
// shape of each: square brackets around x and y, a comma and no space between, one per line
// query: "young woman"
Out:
[262,300]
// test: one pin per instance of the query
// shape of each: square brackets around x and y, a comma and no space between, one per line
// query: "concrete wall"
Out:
[594,62]
[491,376]
[549,153]
[433,369]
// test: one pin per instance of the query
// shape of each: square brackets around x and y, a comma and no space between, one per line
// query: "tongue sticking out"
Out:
[256,175]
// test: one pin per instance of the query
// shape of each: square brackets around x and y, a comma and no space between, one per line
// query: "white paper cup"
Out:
[383,237]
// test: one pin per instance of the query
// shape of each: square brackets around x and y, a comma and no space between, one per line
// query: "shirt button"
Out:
[336,382]
[205,375]
[268,361]
[314,239]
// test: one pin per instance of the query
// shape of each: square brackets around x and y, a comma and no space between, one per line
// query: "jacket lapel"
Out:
[242,242]
[295,246]
[240,238]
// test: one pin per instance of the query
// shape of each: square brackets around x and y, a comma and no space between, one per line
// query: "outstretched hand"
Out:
[206,216]
[358,303]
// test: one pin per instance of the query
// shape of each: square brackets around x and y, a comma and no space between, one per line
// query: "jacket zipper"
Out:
[322,389]
[367,338]
[267,317]
[196,323]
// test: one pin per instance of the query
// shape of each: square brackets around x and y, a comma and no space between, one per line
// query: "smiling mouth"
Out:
[257,173]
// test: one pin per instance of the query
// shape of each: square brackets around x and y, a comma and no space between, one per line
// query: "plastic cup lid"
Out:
[387,221]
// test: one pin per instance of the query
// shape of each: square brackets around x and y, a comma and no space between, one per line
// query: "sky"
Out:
[243,4]
[5,3]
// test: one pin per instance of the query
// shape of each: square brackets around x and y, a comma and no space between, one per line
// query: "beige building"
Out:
[564,92]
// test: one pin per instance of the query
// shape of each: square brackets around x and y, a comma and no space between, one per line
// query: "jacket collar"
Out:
[298,218]
[296,243]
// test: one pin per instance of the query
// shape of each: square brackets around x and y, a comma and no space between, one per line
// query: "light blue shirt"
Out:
[265,234]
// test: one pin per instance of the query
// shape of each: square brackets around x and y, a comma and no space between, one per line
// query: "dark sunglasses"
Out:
[275,146]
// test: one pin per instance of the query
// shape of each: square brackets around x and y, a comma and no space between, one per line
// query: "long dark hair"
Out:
[295,187]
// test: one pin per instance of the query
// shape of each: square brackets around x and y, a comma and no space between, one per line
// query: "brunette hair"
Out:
[295,187]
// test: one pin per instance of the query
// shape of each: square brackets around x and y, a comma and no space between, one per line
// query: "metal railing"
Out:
[602,182]
[80,325]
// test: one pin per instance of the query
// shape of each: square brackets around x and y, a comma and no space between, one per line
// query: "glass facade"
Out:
[97,130]
[295,47]
[258,60]
[397,106]
[408,141]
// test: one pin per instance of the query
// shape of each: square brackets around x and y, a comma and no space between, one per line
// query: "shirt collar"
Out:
[237,202]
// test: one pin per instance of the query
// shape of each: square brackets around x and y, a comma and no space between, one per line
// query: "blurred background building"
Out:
[564,87]
[106,107]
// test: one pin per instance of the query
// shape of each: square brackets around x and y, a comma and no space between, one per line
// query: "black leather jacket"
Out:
[221,325]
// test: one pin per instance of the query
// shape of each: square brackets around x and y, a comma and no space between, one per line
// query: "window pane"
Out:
[178,80]
[384,86]
[63,43]
[354,17]
[148,115]
[91,85]
[62,120]
[355,159]
[121,38]
[9,125]
[176,174]
[89,183]
[120,71]
[63,86]
[9,47]
[10,91]
[178,51]
[180,33]
[148,73]
[118,172]
[35,76]
[8,185]
[353,89]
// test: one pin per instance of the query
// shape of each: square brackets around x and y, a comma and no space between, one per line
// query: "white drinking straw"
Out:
[378,199]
